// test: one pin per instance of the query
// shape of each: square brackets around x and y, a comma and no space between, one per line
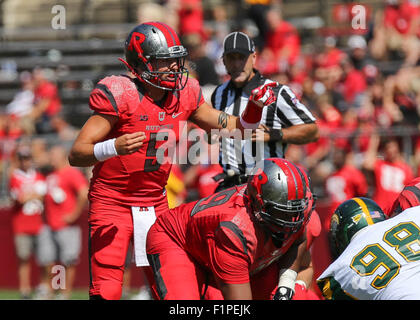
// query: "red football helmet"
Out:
[280,197]
[152,41]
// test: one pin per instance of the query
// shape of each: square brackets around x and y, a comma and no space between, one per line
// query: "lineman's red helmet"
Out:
[280,197]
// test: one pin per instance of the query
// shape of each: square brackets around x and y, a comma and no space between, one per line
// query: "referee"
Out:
[285,121]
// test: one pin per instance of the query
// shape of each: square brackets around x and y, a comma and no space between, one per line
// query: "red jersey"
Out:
[27,217]
[401,17]
[285,35]
[331,58]
[61,198]
[390,179]
[355,83]
[344,184]
[221,235]
[123,179]
[48,90]
[190,17]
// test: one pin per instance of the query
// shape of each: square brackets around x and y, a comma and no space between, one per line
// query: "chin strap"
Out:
[130,68]
[142,79]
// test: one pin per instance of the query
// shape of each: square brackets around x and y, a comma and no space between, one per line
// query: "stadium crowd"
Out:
[363,87]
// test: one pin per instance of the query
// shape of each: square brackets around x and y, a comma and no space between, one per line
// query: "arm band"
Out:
[105,150]
[251,117]
[287,278]
[276,135]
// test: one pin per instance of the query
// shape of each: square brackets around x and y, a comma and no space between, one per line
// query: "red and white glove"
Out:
[264,94]
[260,97]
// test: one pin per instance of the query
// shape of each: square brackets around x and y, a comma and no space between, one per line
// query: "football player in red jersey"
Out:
[409,197]
[133,117]
[245,242]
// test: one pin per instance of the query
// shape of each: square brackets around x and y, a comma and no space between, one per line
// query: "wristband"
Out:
[105,150]
[251,117]
[276,135]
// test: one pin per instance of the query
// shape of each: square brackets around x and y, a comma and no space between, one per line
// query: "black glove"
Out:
[283,293]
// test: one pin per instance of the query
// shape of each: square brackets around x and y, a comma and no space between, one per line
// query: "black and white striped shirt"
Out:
[241,155]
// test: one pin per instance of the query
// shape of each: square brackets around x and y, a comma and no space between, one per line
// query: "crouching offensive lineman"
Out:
[245,242]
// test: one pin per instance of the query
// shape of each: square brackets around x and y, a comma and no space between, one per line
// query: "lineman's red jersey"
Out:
[219,233]
[409,197]
[126,178]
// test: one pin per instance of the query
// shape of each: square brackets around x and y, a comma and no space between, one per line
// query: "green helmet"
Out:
[350,217]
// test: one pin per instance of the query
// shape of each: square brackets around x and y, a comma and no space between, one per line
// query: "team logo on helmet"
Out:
[349,218]
[334,219]
[136,40]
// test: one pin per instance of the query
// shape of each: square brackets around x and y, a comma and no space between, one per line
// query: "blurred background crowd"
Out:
[354,64]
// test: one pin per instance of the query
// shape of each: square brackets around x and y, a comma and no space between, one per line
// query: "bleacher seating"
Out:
[89,47]
[80,62]
[37,13]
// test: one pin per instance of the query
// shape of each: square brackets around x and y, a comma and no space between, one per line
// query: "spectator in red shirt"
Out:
[358,51]
[27,189]
[21,106]
[328,120]
[397,32]
[402,16]
[190,17]
[354,82]
[346,182]
[390,174]
[401,95]
[47,103]
[65,200]
[372,108]
[282,39]
[10,127]
[331,55]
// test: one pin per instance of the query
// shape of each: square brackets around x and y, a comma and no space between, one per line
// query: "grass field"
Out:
[79,294]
